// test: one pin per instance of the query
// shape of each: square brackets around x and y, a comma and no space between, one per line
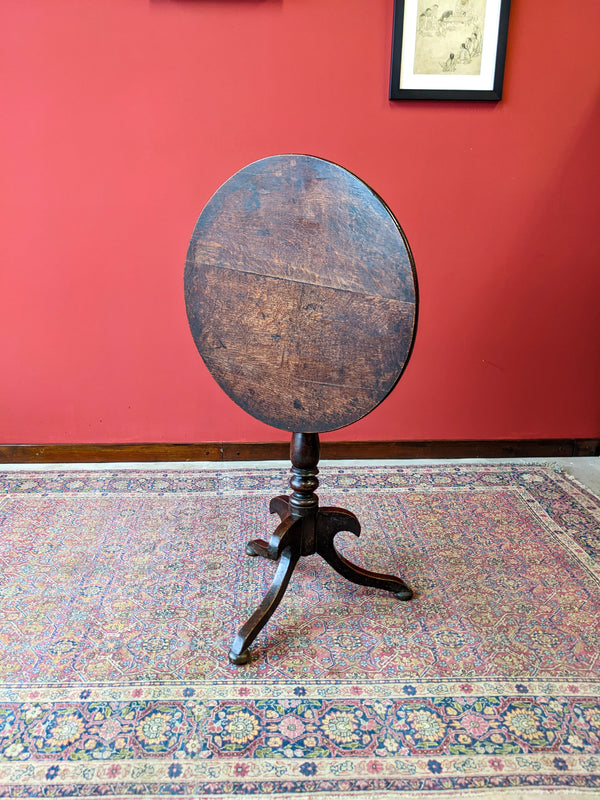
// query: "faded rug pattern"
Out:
[121,591]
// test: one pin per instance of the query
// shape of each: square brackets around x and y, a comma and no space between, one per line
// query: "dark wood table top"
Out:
[300,293]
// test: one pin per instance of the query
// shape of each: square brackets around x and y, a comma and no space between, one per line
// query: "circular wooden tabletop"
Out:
[300,293]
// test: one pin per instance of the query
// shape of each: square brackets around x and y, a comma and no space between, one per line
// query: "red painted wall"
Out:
[120,119]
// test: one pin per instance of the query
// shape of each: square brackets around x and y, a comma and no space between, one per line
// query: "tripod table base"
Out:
[298,536]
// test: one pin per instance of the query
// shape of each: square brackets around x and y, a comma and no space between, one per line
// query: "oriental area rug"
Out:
[122,589]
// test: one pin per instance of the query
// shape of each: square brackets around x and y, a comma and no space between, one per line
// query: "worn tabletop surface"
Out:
[300,293]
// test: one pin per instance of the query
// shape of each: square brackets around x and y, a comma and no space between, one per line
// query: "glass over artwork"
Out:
[453,49]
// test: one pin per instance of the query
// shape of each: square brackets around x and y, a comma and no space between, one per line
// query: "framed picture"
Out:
[449,49]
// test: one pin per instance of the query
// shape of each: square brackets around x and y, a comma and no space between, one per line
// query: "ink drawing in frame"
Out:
[449,50]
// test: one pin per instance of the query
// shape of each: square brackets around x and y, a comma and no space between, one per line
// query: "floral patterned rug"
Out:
[121,591]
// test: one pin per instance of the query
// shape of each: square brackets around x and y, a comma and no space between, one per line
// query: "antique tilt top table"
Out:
[301,298]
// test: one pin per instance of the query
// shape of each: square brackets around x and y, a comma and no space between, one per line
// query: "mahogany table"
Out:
[301,298]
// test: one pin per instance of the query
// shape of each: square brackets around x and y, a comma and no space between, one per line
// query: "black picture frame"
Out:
[426,34]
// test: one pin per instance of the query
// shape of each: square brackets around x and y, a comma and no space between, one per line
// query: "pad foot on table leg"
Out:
[257,547]
[239,658]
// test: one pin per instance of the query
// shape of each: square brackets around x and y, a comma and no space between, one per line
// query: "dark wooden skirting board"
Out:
[269,451]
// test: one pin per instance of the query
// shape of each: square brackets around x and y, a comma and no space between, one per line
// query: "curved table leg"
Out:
[330,522]
[258,547]
[280,505]
[286,545]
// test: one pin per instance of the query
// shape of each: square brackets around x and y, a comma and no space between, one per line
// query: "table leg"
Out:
[258,547]
[239,653]
[331,521]
[285,545]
